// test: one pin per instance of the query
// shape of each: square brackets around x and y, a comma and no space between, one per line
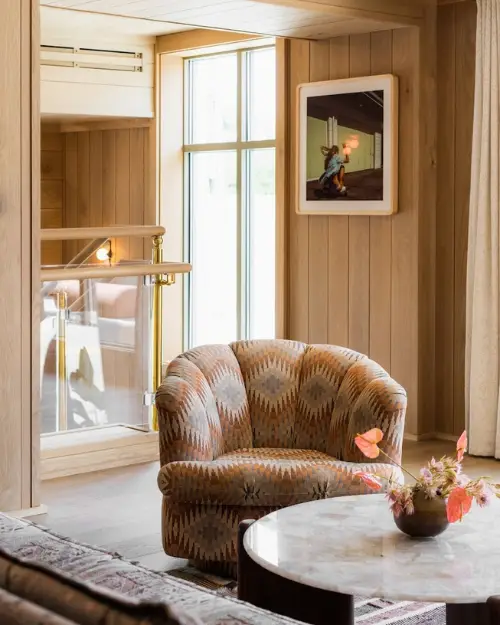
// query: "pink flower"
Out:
[370,480]
[409,506]
[484,499]
[439,467]
[482,493]
[426,475]
[367,442]
[397,509]
[461,446]
[459,504]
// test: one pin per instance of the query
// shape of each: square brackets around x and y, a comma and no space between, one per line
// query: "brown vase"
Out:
[429,518]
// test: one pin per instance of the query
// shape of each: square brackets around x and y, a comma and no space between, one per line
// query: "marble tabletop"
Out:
[351,545]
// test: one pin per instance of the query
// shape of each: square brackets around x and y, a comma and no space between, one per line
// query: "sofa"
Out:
[48,579]
[254,426]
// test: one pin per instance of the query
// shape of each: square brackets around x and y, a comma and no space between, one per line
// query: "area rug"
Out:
[367,611]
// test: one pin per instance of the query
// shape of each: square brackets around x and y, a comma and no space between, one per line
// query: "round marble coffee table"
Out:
[338,548]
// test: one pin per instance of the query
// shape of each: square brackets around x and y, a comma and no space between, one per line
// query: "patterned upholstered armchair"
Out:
[251,427]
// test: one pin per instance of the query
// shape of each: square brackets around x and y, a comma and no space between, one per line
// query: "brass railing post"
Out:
[61,379]
[157,317]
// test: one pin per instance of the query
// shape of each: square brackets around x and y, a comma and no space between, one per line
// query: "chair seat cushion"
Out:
[266,477]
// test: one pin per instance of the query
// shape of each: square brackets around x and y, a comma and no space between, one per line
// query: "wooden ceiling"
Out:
[311,19]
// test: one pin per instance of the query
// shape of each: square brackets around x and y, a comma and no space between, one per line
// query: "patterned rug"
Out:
[368,611]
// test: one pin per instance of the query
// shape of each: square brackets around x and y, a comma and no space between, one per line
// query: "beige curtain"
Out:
[483,339]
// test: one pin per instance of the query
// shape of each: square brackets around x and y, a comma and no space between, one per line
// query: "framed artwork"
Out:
[347,147]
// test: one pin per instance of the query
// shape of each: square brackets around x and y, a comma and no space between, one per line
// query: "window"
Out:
[230,195]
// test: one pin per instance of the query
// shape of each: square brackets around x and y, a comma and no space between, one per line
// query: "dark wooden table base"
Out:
[320,607]
[468,614]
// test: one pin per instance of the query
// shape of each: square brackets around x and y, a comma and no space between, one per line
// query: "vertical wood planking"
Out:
[465,34]
[359,230]
[319,69]
[52,193]
[338,231]
[95,178]
[83,182]
[122,181]
[109,182]
[30,259]
[151,183]
[283,170]
[404,296]
[136,177]
[70,213]
[10,269]
[425,165]
[381,237]
[299,224]
[20,266]
[445,220]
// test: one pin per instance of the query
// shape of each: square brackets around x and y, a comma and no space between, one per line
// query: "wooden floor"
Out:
[119,509]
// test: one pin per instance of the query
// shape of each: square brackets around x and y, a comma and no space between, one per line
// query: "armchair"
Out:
[254,426]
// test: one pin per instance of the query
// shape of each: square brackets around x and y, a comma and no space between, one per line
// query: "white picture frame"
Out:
[351,125]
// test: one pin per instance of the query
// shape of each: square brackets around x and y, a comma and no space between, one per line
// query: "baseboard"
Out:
[28,512]
[96,450]
[430,436]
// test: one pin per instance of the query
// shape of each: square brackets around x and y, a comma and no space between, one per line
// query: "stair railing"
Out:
[162,274]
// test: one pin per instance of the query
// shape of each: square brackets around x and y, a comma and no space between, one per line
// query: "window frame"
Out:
[242,147]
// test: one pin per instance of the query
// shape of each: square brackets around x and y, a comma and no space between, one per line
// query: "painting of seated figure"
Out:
[347,142]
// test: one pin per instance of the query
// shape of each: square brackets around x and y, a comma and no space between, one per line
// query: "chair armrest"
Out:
[382,404]
[188,420]
[182,422]
[368,398]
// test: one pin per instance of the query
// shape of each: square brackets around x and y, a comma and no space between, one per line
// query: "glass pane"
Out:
[261,94]
[94,353]
[262,248]
[213,99]
[214,248]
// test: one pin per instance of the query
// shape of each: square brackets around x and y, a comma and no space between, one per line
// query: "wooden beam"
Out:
[199,38]
[393,12]
[107,124]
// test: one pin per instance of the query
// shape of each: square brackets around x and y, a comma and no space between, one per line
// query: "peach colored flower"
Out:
[461,446]
[370,480]
[459,504]
[367,442]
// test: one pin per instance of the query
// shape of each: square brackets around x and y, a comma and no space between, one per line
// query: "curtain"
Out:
[482,337]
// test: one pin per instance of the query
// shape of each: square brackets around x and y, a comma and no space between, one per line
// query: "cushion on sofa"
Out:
[17,611]
[79,602]
[266,477]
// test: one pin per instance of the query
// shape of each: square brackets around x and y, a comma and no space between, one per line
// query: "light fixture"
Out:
[104,253]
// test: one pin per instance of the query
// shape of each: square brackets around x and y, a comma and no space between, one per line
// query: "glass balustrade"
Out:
[95,353]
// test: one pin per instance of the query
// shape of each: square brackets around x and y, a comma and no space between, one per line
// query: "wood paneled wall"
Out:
[360,281]
[108,182]
[455,98]
[52,192]
[19,253]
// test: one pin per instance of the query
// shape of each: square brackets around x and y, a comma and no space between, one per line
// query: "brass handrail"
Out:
[115,271]
[74,234]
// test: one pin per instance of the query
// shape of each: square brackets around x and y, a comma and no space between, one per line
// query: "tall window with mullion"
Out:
[230,196]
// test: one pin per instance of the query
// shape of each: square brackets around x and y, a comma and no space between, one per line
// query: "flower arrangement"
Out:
[442,479]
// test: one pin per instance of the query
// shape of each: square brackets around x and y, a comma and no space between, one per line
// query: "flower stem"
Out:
[398,465]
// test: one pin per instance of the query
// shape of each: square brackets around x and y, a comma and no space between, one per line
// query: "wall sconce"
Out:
[104,253]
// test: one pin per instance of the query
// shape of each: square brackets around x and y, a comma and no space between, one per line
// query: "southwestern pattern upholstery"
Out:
[251,427]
